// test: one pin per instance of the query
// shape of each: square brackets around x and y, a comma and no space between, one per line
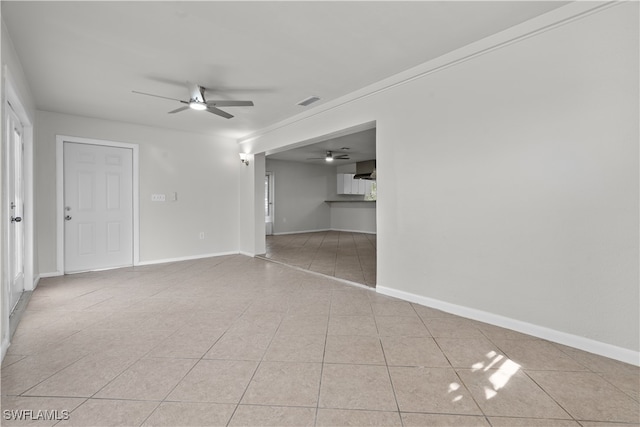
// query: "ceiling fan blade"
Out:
[159,96]
[230,103]
[218,112]
[342,157]
[177,110]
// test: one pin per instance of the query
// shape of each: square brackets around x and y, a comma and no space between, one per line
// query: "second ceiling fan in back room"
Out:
[329,157]
[197,101]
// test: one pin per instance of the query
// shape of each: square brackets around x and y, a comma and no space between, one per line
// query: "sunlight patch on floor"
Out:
[501,376]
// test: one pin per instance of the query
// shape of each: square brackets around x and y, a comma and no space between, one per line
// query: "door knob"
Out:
[16,219]
[68,217]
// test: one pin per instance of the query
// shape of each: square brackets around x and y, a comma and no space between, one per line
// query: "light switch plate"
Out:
[158,197]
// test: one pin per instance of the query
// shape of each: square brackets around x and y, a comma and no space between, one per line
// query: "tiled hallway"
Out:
[345,255]
[241,341]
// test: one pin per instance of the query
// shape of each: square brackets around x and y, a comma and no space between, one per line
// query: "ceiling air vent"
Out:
[309,100]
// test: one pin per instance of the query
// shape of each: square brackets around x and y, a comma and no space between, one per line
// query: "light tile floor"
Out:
[345,255]
[240,341]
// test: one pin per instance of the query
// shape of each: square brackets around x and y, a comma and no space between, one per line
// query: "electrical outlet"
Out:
[202,235]
[158,197]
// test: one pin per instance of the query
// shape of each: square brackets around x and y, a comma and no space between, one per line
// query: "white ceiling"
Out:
[85,58]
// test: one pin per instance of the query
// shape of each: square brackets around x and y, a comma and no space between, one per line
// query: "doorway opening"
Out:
[326,215]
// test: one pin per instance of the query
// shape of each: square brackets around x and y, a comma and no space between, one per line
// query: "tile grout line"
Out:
[198,360]
[255,371]
[598,373]
[486,417]
[529,376]
[140,358]
[386,364]
[324,352]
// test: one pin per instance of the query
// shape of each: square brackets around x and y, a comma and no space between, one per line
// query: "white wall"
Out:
[258,201]
[300,191]
[247,211]
[201,169]
[508,181]
[12,63]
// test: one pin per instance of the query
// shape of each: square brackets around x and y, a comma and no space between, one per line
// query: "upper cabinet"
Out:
[348,185]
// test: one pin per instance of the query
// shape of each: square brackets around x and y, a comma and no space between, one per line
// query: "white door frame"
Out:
[60,140]
[272,198]
[14,178]
[11,95]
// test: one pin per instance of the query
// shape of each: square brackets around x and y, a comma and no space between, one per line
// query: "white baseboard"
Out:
[50,274]
[186,258]
[581,343]
[249,254]
[302,232]
[353,231]
[155,261]
[322,230]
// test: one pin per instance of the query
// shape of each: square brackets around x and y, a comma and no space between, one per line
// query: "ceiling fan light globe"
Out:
[195,105]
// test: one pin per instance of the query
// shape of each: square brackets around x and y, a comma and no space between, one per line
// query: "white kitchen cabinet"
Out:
[348,185]
[344,183]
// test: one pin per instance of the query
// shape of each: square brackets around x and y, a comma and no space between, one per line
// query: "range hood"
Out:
[365,170]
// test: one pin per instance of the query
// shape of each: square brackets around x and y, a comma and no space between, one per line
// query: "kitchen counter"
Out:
[353,215]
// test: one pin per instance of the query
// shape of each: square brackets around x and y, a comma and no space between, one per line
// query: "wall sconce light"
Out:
[244,158]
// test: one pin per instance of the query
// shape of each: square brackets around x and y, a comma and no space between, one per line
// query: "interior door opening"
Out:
[326,219]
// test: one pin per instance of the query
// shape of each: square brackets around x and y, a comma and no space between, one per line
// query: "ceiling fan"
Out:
[197,101]
[329,157]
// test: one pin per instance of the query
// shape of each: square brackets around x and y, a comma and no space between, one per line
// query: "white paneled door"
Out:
[15,190]
[98,207]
